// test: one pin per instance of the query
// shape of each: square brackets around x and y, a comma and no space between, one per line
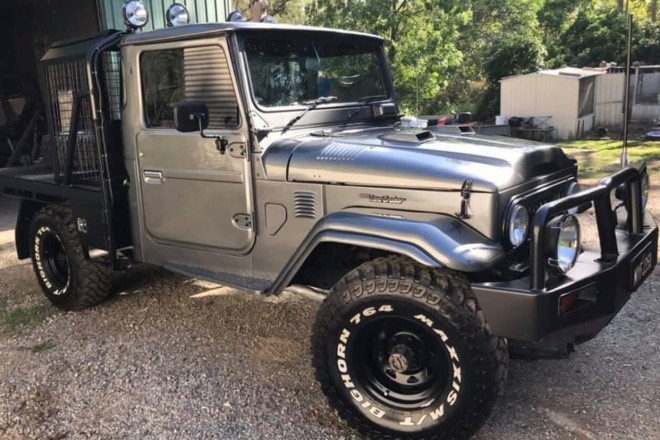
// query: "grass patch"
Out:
[15,320]
[598,158]
[44,346]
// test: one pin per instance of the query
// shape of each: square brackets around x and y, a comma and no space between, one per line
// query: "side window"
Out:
[201,74]
[162,85]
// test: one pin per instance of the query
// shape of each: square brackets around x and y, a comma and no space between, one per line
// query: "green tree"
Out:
[647,43]
[284,11]
[421,40]
[502,38]
[592,38]
[513,55]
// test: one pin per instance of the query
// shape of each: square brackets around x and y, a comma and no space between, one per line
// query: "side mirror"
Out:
[191,116]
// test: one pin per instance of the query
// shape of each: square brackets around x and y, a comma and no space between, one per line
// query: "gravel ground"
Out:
[159,363]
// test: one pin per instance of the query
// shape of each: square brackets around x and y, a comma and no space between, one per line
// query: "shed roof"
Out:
[567,72]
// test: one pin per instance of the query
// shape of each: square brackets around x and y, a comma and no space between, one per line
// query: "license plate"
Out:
[641,266]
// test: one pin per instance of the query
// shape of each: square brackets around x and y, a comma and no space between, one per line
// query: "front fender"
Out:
[443,242]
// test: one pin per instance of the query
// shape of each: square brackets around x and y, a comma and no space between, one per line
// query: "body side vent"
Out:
[306,204]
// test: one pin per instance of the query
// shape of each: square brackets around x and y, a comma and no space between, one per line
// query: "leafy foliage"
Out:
[451,54]
[420,36]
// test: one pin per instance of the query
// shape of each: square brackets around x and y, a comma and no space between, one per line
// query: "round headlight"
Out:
[135,14]
[269,19]
[518,225]
[564,242]
[177,15]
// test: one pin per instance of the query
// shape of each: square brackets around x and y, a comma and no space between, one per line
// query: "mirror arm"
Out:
[221,143]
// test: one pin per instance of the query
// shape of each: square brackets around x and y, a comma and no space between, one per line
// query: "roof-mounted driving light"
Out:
[269,19]
[135,14]
[177,15]
[236,16]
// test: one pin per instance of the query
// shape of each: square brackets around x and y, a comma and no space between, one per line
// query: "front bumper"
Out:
[528,309]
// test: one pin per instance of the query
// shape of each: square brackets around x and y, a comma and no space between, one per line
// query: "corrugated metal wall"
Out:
[557,96]
[543,95]
[201,11]
[609,99]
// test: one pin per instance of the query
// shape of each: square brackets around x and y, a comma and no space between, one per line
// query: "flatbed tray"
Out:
[40,180]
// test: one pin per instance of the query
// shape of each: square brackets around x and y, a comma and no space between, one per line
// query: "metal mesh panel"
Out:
[113,84]
[65,81]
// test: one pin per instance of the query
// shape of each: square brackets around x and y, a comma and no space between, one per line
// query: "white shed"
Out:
[566,95]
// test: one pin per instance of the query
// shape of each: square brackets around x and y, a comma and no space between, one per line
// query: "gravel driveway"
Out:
[163,362]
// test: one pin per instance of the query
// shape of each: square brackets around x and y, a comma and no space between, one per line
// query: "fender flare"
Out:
[445,242]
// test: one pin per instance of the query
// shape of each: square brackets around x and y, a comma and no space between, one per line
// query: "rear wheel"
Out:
[67,276]
[402,351]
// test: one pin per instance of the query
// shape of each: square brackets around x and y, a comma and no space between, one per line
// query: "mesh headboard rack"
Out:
[79,78]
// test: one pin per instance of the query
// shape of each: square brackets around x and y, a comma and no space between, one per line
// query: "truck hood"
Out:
[412,158]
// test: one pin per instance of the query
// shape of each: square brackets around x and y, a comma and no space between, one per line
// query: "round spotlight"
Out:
[236,16]
[135,14]
[269,19]
[177,15]
[564,242]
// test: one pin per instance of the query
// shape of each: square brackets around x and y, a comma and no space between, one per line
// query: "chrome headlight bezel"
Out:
[177,15]
[518,225]
[564,242]
[135,13]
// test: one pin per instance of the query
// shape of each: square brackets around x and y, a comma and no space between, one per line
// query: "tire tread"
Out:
[455,289]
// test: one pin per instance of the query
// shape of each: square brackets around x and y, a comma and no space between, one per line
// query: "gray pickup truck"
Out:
[262,156]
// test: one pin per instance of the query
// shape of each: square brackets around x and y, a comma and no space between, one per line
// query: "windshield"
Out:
[290,72]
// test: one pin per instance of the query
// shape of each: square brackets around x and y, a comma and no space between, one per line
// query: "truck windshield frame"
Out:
[285,71]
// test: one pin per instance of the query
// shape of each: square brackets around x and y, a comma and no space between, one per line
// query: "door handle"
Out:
[153,177]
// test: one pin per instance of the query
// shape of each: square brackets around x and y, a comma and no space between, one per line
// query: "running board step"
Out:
[254,285]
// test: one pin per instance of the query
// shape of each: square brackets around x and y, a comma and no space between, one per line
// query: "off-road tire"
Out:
[70,280]
[389,289]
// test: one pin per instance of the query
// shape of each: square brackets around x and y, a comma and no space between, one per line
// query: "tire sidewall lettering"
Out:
[434,413]
[39,235]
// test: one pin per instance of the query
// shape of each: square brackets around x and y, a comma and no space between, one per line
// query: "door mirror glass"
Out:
[191,116]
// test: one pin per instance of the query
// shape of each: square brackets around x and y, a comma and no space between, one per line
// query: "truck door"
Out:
[193,194]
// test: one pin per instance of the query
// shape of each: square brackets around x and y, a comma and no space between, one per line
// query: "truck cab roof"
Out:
[193,31]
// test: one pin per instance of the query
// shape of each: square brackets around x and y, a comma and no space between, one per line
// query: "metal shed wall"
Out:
[201,11]
[539,95]
[609,99]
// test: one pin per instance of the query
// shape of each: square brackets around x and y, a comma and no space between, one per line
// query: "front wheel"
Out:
[67,276]
[403,351]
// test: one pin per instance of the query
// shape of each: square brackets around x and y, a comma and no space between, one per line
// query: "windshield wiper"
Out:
[311,105]
[365,100]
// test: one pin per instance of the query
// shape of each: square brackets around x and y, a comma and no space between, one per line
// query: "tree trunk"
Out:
[653,11]
[620,4]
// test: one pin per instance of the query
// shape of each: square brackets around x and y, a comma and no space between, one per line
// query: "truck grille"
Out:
[547,197]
